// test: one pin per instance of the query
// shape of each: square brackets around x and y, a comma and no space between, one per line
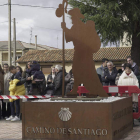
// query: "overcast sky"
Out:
[43,22]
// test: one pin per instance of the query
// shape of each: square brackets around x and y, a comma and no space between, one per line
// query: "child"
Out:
[16,88]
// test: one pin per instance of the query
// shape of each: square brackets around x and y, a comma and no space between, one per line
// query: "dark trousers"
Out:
[12,104]
[6,112]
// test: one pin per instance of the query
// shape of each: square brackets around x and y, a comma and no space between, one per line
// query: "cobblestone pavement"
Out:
[13,131]
[134,134]
[10,130]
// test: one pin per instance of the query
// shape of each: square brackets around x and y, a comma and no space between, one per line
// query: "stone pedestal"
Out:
[77,120]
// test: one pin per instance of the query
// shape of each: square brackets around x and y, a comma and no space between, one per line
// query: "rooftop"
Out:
[23,45]
[112,53]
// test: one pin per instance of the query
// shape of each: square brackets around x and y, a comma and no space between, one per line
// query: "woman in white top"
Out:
[128,78]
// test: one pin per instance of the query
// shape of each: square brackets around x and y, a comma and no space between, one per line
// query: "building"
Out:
[21,49]
[50,58]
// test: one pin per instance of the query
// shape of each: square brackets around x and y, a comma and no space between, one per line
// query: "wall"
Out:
[4,56]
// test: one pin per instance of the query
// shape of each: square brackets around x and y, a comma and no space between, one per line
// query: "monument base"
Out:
[81,120]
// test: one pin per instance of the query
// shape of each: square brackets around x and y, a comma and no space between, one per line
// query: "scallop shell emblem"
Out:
[65,114]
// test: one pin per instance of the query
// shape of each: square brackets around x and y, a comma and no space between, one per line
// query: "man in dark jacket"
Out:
[135,67]
[110,74]
[58,80]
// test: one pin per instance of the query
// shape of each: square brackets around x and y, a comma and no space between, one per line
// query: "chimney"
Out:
[36,42]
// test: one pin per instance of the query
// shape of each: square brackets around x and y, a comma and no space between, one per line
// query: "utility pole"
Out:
[36,42]
[14,41]
[9,36]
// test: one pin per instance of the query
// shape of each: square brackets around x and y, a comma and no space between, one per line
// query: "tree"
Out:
[113,19]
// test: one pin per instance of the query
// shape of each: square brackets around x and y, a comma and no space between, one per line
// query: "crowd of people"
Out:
[31,81]
[128,75]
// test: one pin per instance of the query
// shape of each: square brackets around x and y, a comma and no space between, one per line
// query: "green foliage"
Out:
[112,18]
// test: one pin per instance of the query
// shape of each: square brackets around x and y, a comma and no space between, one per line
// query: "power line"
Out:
[38,27]
[3,21]
[36,6]
[4,4]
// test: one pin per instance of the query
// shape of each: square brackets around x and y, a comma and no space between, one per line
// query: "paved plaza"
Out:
[13,131]
[10,130]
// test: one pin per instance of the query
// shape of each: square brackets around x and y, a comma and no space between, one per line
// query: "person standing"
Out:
[25,75]
[16,88]
[6,104]
[69,81]
[128,78]
[50,81]
[110,75]
[102,69]
[120,71]
[58,80]
[135,67]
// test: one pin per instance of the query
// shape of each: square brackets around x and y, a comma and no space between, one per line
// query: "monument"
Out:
[98,118]
[86,42]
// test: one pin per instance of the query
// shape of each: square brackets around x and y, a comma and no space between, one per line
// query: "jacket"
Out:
[58,83]
[135,69]
[110,80]
[50,84]
[7,77]
[16,87]
[38,75]
[118,76]
[25,75]
[16,90]
[1,83]
[129,80]
[34,68]
[69,81]
[138,77]
[100,72]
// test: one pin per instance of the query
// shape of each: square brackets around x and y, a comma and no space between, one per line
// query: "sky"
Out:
[41,21]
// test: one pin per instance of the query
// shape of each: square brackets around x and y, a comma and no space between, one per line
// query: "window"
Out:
[5,57]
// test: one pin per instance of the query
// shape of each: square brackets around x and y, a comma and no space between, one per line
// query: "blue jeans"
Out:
[12,105]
